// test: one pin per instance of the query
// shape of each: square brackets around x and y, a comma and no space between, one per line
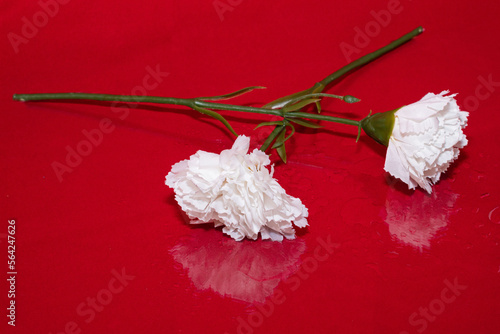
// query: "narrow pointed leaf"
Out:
[231,95]
[217,116]
[303,97]
[282,149]
[268,123]
[303,122]
[271,137]
[278,143]
[299,105]
[312,96]
[282,101]
[318,107]
[291,133]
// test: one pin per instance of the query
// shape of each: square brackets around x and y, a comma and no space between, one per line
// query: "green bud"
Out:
[350,99]
[379,126]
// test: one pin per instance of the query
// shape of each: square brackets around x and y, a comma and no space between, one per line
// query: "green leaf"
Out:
[282,101]
[313,92]
[299,105]
[318,107]
[312,96]
[277,130]
[268,123]
[303,122]
[230,95]
[217,116]
[278,143]
[281,149]
[293,130]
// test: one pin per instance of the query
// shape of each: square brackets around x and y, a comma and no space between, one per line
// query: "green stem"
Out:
[322,117]
[369,57]
[223,106]
[147,99]
[176,101]
[198,103]
[321,85]
[100,97]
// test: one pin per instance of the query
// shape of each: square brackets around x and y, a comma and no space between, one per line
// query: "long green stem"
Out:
[146,99]
[322,117]
[203,104]
[321,85]
[371,56]
[176,101]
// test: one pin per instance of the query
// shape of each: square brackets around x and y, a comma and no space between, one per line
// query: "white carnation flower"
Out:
[237,191]
[426,138]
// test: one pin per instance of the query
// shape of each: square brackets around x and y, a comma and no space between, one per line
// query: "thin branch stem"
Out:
[145,99]
[321,85]
[370,57]
[321,117]
[192,103]
[101,97]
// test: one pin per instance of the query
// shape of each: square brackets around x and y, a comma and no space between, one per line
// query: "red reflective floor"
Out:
[102,247]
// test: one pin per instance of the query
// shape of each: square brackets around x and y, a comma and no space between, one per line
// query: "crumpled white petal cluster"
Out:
[237,191]
[426,139]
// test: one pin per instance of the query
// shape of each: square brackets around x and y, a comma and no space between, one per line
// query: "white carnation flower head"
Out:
[426,137]
[236,190]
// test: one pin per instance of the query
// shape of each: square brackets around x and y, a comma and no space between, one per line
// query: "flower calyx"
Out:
[379,126]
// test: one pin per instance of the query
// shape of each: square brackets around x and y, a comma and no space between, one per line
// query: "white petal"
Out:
[241,145]
[235,190]
[426,138]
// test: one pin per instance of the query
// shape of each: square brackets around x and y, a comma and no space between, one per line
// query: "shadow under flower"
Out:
[415,219]
[246,270]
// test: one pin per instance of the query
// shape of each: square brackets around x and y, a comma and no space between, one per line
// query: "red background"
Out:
[395,252]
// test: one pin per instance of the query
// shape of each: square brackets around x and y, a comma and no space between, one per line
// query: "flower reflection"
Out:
[414,219]
[248,271]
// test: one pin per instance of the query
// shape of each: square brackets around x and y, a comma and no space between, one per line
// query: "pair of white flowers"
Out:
[237,191]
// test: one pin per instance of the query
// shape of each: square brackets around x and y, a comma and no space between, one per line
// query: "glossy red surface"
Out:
[104,248]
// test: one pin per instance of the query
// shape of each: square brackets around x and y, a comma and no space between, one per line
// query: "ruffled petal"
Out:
[236,190]
[426,139]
